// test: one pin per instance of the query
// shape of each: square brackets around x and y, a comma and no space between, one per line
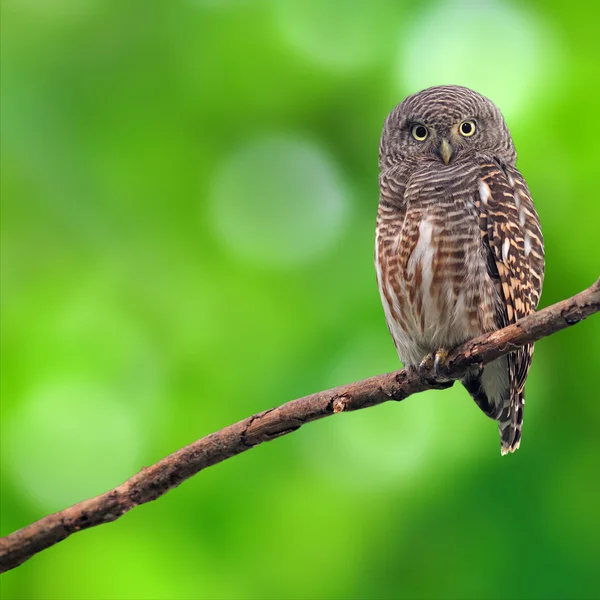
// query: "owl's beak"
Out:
[445,151]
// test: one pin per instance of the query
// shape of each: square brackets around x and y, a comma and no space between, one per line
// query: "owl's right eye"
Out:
[419,132]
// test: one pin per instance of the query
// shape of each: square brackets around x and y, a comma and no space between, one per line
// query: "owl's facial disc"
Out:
[445,150]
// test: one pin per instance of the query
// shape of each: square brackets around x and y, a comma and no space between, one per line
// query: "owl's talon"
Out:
[439,362]
[425,366]
[435,362]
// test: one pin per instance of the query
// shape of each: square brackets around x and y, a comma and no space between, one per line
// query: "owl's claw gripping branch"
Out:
[432,369]
[438,364]
[152,482]
[426,365]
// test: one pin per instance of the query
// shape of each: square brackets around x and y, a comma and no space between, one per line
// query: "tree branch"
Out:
[152,482]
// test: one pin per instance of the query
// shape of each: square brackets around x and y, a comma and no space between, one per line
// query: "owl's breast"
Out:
[433,279]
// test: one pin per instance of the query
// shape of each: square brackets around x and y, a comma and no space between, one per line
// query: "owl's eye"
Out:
[419,132]
[467,128]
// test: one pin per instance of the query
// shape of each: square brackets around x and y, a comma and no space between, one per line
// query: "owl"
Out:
[459,250]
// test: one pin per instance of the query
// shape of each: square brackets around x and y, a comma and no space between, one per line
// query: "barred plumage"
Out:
[459,250]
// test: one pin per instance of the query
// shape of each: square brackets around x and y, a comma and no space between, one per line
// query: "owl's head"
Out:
[445,125]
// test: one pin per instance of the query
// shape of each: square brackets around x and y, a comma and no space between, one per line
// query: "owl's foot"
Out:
[435,361]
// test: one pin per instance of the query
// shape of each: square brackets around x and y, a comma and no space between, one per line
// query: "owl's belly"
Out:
[436,291]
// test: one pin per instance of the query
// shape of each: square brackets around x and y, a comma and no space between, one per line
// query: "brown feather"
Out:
[511,230]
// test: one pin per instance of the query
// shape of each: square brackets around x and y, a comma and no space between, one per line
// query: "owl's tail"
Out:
[493,394]
[510,423]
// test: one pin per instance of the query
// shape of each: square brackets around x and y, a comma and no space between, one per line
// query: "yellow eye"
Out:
[467,128]
[419,132]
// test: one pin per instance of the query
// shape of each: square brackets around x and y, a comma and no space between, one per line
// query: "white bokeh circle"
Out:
[496,48]
[340,36]
[278,201]
[67,442]
[390,445]
[380,446]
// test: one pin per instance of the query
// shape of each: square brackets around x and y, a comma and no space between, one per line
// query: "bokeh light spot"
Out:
[494,48]
[388,445]
[68,442]
[336,34]
[278,201]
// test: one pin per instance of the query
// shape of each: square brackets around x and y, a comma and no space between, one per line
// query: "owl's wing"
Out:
[389,253]
[511,234]
[392,203]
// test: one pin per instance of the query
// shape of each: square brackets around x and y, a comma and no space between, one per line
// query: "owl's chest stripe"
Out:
[438,265]
[431,274]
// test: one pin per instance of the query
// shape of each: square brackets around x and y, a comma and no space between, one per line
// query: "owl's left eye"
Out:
[467,128]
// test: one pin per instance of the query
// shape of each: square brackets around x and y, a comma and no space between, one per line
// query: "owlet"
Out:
[459,251]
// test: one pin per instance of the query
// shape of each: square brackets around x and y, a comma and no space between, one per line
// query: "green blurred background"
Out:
[188,199]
